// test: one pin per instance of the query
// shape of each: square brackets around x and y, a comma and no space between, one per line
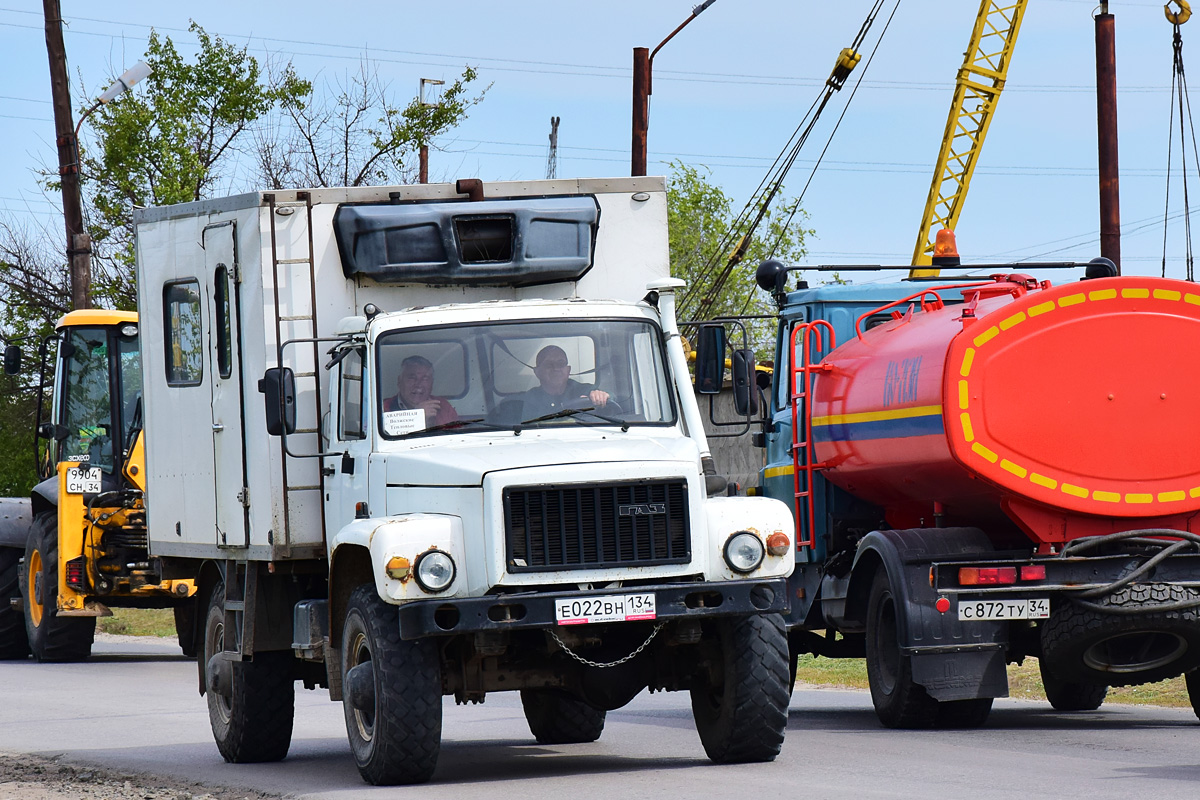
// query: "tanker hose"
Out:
[1183,540]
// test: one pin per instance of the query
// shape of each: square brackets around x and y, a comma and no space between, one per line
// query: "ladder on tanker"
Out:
[300,269]
[803,460]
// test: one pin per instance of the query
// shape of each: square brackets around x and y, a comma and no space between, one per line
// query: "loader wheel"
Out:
[392,694]
[558,718]
[251,704]
[51,637]
[899,701]
[1128,647]
[1068,696]
[741,713]
[1192,679]
[14,642]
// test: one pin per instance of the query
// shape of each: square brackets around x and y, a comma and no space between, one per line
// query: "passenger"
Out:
[414,389]
[557,390]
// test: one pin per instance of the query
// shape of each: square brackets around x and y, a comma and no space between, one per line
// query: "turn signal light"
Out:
[778,544]
[986,576]
[398,568]
[1033,572]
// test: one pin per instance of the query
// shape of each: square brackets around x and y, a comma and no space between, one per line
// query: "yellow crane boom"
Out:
[977,89]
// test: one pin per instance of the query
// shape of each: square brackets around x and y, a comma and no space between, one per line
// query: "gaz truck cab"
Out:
[443,441]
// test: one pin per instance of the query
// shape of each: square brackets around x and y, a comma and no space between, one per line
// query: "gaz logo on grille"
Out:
[641,509]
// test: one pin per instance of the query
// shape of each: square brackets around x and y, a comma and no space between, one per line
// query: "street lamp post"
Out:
[79,243]
[643,62]
[423,153]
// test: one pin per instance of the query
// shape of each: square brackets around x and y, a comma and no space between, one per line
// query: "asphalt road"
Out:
[134,707]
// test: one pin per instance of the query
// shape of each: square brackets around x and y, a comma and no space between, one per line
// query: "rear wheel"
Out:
[14,642]
[741,712]
[558,718]
[251,704]
[1068,696]
[392,694]
[51,637]
[1193,690]
[899,701]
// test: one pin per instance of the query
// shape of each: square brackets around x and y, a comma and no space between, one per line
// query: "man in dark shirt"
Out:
[414,389]
[557,390]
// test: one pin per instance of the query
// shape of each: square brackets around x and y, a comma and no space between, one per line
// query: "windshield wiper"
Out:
[461,423]
[570,412]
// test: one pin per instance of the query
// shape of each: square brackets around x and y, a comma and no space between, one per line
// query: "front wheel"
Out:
[393,694]
[51,637]
[558,718]
[741,710]
[251,704]
[14,641]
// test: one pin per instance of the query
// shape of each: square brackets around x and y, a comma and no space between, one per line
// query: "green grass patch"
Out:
[1024,681]
[139,622]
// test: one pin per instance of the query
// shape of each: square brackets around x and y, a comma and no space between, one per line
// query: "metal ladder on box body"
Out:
[303,202]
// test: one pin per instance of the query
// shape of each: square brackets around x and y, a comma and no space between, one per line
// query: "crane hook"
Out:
[1181,16]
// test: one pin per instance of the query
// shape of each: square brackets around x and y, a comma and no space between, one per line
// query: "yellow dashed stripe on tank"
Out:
[1020,470]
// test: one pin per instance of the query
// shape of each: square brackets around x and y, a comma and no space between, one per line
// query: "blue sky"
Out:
[728,92]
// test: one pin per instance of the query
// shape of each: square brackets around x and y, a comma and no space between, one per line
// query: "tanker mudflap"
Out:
[965,674]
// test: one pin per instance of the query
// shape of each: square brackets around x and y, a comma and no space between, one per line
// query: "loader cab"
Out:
[97,389]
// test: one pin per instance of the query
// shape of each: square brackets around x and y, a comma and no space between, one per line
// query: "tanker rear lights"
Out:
[1000,576]
[987,576]
[75,573]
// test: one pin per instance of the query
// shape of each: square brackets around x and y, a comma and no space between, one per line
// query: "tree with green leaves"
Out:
[356,133]
[705,231]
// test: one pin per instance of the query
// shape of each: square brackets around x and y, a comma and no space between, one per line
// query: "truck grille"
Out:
[596,525]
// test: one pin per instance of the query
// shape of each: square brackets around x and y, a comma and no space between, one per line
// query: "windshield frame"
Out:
[477,424]
[116,346]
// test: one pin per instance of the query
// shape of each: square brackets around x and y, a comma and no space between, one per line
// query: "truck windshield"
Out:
[86,401]
[528,373]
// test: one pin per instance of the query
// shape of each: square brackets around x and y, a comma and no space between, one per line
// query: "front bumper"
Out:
[536,609]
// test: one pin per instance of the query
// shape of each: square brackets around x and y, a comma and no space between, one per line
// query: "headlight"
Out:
[435,570]
[743,552]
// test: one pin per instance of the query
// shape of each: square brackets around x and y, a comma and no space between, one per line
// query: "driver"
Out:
[414,389]
[556,389]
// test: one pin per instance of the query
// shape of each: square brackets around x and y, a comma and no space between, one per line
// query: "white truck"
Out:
[358,448]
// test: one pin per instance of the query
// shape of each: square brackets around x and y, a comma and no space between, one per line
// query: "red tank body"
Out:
[1070,410]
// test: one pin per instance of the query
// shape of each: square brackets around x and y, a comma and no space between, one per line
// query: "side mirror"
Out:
[745,388]
[12,359]
[279,386]
[710,359]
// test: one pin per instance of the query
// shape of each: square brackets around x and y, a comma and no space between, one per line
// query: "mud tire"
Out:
[899,701]
[1192,679]
[1081,645]
[1068,696]
[398,740]
[14,641]
[742,716]
[558,718]
[51,637]
[254,724]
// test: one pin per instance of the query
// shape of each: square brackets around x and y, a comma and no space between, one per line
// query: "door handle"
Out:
[218,427]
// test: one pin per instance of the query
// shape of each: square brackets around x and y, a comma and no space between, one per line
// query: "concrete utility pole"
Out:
[552,159]
[643,64]
[1106,128]
[79,244]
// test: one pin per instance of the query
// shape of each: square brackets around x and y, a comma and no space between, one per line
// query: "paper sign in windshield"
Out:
[406,420]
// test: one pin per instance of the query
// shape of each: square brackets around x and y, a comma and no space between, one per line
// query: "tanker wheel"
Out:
[741,710]
[251,704]
[392,694]
[14,641]
[1081,645]
[899,701]
[51,637]
[1193,689]
[1068,696]
[558,718]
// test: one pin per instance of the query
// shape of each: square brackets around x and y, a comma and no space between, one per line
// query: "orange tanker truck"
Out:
[985,469]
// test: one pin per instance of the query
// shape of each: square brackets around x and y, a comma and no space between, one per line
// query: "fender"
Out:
[407,536]
[763,516]
[45,495]
[951,658]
